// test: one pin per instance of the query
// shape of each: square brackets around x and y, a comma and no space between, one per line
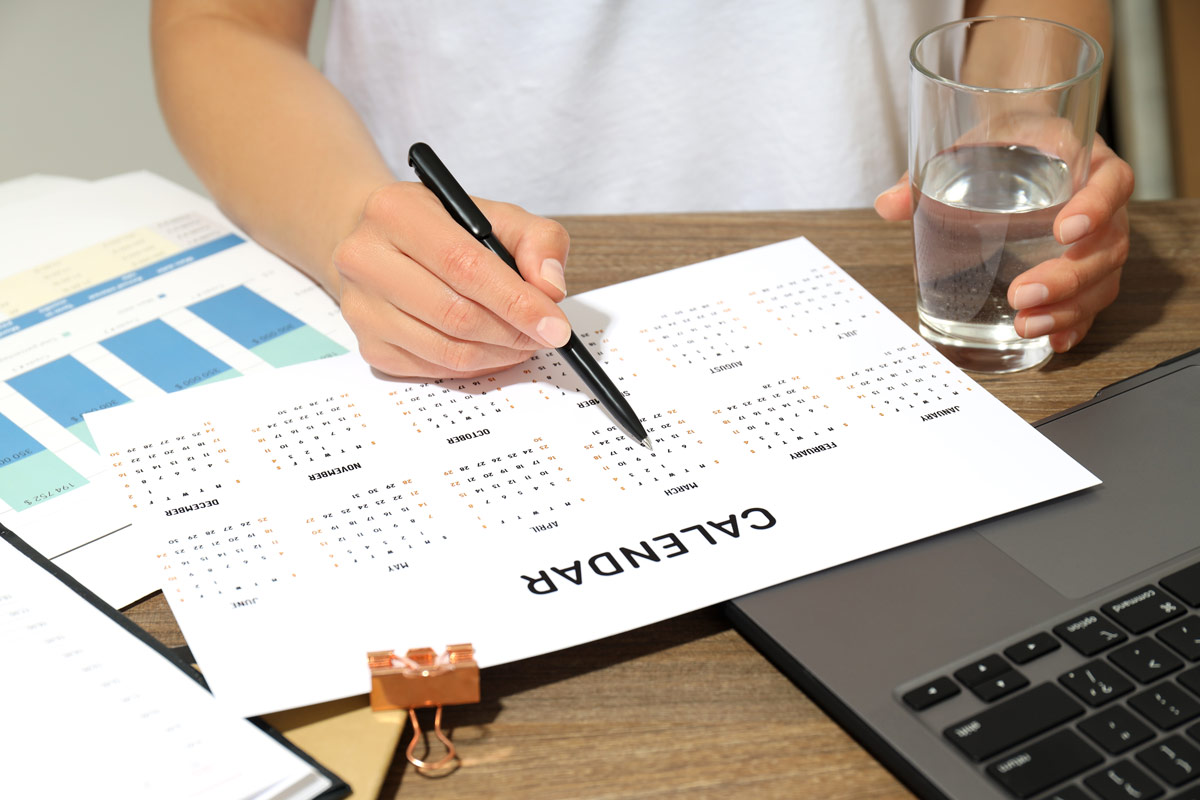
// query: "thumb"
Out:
[895,202]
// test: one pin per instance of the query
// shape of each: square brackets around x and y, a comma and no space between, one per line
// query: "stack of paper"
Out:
[113,291]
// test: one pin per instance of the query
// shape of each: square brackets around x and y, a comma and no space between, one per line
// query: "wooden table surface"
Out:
[686,707]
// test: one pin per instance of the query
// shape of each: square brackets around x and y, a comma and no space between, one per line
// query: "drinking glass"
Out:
[1001,120]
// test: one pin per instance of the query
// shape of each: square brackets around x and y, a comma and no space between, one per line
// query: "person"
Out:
[570,108]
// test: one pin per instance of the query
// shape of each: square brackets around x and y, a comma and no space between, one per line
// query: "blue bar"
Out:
[165,356]
[15,443]
[100,290]
[65,389]
[246,317]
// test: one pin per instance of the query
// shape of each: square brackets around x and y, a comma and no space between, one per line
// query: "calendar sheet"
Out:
[302,518]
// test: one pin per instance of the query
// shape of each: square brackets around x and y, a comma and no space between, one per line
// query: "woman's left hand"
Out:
[1061,297]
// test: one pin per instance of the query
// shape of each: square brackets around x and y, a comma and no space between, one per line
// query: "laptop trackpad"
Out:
[1143,443]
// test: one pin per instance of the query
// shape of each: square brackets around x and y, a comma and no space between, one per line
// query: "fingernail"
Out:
[887,191]
[552,273]
[1030,295]
[1074,228]
[1038,326]
[554,331]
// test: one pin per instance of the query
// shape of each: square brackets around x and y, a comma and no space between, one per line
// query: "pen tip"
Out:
[646,444]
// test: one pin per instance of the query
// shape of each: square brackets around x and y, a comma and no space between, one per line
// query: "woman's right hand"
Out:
[427,300]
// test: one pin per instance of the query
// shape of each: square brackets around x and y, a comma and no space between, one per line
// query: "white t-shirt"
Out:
[573,107]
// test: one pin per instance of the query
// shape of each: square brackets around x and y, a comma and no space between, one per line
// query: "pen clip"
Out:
[437,179]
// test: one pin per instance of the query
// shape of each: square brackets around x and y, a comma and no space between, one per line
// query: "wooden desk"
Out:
[686,707]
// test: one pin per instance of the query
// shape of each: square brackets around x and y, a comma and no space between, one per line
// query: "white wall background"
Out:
[77,94]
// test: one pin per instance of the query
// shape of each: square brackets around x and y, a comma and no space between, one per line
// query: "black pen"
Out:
[437,178]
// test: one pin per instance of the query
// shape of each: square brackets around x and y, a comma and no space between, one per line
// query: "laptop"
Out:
[1053,652]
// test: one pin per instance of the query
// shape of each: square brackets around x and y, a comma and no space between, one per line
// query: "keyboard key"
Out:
[1035,646]
[1173,760]
[1068,793]
[1166,705]
[1001,686]
[1042,764]
[1123,781]
[1013,721]
[1096,683]
[930,694]
[1188,794]
[1142,610]
[1116,730]
[1185,584]
[1191,679]
[1090,633]
[1184,636]
[1146,660]
[981,671]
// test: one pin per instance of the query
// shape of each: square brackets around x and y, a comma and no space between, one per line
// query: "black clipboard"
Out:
[338,788]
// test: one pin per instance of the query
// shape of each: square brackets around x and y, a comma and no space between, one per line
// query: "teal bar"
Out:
[81,432]
[37,478]
[297,346]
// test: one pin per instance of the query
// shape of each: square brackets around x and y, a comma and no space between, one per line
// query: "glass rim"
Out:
[1083,77]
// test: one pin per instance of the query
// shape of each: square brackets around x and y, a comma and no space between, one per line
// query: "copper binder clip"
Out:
[419,679]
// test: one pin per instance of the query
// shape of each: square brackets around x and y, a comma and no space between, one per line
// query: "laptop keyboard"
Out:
[1103,706]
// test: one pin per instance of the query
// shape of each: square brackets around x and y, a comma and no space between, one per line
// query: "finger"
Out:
[1067,316]
[895,202]
[538,244]
[479,275]
[413,221]
[399,363]
[414,290]
[1062,341]
[1085,264]
[1106,192]
[457,356]
[398,343]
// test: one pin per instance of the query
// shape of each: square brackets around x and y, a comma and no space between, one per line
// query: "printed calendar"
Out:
[324,510]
